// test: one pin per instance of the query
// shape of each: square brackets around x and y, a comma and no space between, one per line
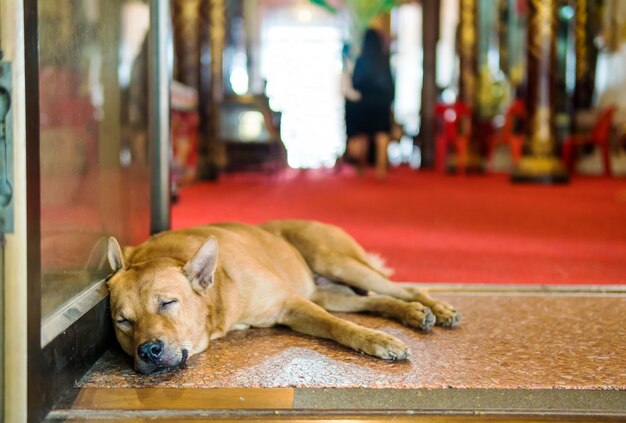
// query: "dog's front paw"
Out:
[419,316]
[386,347]
[446,315]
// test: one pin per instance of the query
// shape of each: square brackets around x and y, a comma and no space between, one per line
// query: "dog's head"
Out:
[159,306]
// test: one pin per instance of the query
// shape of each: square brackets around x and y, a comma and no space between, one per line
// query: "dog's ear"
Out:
[115,255]
[201,268]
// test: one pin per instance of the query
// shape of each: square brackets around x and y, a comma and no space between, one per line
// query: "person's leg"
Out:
[357,150]
[382,142]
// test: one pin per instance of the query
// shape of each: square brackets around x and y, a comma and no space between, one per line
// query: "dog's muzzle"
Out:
[155,359]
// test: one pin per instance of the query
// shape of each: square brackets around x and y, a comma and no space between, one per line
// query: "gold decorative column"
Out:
[186,23]
[587,28]
[468,85]
[217,32]
[540,163]
[430,34]
[467,51]
[503,35]
[212,39]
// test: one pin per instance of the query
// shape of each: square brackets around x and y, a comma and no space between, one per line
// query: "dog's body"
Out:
[180,289]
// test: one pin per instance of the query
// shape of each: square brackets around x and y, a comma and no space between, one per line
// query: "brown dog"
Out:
[174,293]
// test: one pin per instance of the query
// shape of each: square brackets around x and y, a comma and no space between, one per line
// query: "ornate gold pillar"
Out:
[199,36]
[503,35]
[186,23]
[587,28]
[212,35]
[217,33]
[467,51]
[430,35]
[540,163]
[468,84]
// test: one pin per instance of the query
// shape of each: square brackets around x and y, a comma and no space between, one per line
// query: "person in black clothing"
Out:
[370,117]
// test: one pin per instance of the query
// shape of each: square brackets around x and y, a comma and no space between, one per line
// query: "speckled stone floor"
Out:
[504,341]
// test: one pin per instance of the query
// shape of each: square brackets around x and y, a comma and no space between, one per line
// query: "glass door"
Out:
[95,93]
[93,86]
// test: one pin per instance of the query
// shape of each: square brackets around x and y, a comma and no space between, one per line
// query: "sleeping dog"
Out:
[173,294]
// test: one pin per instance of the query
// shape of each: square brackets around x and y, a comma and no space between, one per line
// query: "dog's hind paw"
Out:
[419,317]
[446,315]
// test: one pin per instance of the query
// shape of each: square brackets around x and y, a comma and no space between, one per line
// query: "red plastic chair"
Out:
[599,136]
[508,134]
[454,118]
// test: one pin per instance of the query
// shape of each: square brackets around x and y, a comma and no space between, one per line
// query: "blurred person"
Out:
[370,115]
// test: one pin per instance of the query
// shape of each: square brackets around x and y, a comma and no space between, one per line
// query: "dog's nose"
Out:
[150,352]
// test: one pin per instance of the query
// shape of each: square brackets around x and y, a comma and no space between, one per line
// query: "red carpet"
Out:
[437,228]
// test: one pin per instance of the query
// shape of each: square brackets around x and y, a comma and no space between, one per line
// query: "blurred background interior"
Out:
[527,89]
[506,160]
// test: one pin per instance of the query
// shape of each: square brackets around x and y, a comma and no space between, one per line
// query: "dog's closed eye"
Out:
[166,304]
[123,322]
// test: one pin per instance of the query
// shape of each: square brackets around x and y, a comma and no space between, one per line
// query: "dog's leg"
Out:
[355,273]
[306,317]
[339,298]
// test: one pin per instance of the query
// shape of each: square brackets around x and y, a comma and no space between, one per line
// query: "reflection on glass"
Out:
[94,118]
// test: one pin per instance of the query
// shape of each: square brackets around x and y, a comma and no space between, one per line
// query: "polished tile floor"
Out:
[505,341]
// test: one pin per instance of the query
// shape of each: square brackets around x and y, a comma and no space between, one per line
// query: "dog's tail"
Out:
[377,263]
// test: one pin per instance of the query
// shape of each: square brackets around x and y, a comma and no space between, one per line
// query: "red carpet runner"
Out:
[437,228]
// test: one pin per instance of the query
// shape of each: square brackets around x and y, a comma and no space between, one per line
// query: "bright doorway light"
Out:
[302,67]
[305,15]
